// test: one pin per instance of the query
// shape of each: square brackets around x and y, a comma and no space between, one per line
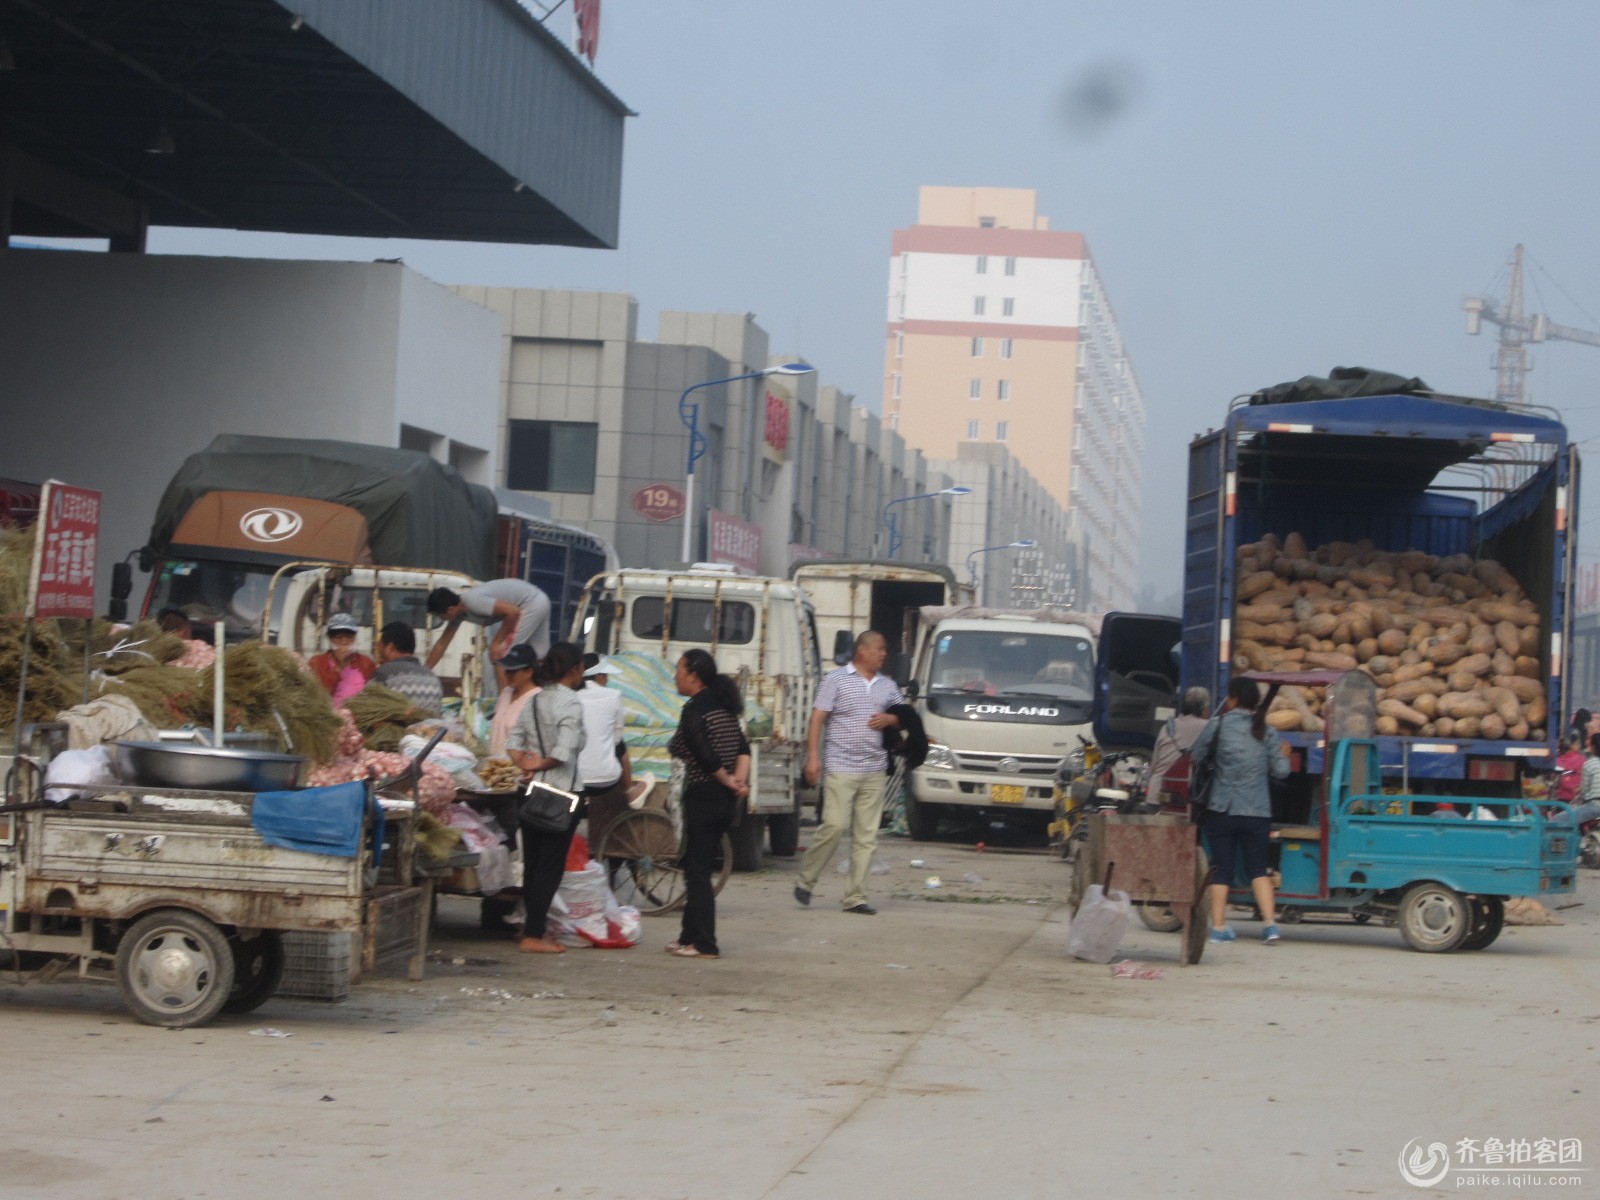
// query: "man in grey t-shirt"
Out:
[521,610]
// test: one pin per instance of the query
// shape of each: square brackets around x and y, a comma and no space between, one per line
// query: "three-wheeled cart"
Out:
[1156,859]
[173,894]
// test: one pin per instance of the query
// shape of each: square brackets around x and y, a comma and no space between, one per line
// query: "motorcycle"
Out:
[1091,779]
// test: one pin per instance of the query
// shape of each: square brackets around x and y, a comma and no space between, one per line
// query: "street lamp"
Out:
[972,567]
[892,519]
[689,414]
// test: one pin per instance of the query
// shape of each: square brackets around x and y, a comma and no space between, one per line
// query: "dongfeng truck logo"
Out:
[1007,710]
[270,524]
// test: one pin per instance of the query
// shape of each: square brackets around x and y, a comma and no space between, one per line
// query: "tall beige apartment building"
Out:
[1000,331]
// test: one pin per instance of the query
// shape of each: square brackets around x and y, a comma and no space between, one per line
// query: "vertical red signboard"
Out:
[65,541]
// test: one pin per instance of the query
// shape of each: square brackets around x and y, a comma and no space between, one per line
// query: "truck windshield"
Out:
[971,662]
[208,592]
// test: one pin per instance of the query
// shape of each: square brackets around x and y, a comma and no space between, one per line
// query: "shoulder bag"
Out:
[1202,775]
[545,807]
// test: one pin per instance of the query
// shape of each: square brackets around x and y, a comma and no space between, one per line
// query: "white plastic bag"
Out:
[77,767]
[583,897]
[1099,925]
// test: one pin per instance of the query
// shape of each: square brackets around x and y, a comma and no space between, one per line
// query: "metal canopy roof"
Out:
[374,118]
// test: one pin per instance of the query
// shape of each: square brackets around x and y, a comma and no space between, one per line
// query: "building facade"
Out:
[1000,333]
[793,468]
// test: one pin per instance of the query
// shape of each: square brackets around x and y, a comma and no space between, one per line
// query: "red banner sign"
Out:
[658,502]
[65,540]
[730,540]
[777,430]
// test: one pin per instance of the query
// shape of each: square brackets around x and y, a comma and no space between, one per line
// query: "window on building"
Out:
[1011,266]
[977,347]
[972,431]
[1005,347]
[978,304]
[894,421]
[692,620]
[1001,428]
[1077,437]
[983,264]
[1008,307]
[985,222]
[899,345]
[1003,391]
[974,389]
[894,385]
[551,456]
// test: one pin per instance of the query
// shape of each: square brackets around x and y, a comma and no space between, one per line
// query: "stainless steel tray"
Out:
[176,765]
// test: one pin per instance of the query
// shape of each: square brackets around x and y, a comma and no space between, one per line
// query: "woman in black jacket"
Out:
[716,760]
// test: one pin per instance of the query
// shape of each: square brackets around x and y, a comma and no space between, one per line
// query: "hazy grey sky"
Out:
[1290,186]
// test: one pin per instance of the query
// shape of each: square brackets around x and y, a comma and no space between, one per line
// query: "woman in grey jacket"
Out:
[545,743]
[1244,754]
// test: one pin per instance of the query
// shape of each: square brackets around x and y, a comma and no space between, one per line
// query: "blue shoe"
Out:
[1269,935]
[1225,934]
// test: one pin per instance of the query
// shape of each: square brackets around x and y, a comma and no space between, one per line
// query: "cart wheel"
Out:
[783,831]
[1160,918]
[646,843]
[174,969]
[1488,919]
[1200,914]
[257,971]
[749,836]
[1434,918]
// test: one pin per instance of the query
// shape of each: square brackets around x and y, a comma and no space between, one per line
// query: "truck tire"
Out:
[1433,918]
[922,819]
[747,842]
[783,832]
[257,971]
[174,969]
[1488,919]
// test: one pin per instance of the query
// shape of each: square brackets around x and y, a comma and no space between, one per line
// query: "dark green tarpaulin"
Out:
[419,513]
[1342,383]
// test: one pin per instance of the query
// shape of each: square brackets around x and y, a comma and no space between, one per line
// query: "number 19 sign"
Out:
[658,502]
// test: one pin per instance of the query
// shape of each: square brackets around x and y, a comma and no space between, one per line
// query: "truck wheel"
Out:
[783,832]
[174,969]
[1488,919]
[922,820]
[257,971]
[1433,918]
[747,839]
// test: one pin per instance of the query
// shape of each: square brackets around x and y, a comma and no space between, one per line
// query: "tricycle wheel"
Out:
[1434,918]
[1488,919]
[1160,918]
[174,969]
[749,837]
[257,970]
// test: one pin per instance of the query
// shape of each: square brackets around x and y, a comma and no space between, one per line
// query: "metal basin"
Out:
[158,764]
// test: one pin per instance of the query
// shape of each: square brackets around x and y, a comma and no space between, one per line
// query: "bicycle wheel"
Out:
[646,845]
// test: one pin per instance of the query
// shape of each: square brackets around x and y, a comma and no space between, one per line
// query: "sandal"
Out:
[691,952]
[673,947]
[539,946]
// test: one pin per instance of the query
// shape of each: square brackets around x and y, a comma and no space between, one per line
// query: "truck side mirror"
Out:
[844,646]
[147,559]
[121,581]
[910,689]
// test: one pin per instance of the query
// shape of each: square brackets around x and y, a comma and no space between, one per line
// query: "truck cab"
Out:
[1005,696]
[762,632]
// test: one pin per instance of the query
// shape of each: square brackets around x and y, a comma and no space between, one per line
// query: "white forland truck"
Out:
[1005,695]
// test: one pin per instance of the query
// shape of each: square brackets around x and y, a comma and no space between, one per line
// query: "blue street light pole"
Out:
[892,519]
[972,567]
[689,414]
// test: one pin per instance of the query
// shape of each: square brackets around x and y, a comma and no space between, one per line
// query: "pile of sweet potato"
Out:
[1452,643]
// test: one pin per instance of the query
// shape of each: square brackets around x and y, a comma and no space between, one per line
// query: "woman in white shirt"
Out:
[603,767]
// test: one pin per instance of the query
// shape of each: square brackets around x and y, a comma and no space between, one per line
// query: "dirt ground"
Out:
[945,1048]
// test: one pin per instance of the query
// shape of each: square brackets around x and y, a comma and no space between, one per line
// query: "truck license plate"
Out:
[1007,793]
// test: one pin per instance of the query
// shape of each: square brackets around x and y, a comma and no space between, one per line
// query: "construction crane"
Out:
[1517,332]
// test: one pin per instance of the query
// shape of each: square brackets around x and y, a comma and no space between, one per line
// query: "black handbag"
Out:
[545,807]
[1202,774]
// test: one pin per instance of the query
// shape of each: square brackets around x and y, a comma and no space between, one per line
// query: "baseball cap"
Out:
[603,667]
[520,657]
[343,623]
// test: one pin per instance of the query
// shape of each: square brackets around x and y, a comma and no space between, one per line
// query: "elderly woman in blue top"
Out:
[1244,755]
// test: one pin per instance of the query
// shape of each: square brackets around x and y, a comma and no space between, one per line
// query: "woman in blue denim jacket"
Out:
[1244,755]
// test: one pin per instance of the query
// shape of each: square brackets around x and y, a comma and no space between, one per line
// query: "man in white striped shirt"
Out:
[850,703]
